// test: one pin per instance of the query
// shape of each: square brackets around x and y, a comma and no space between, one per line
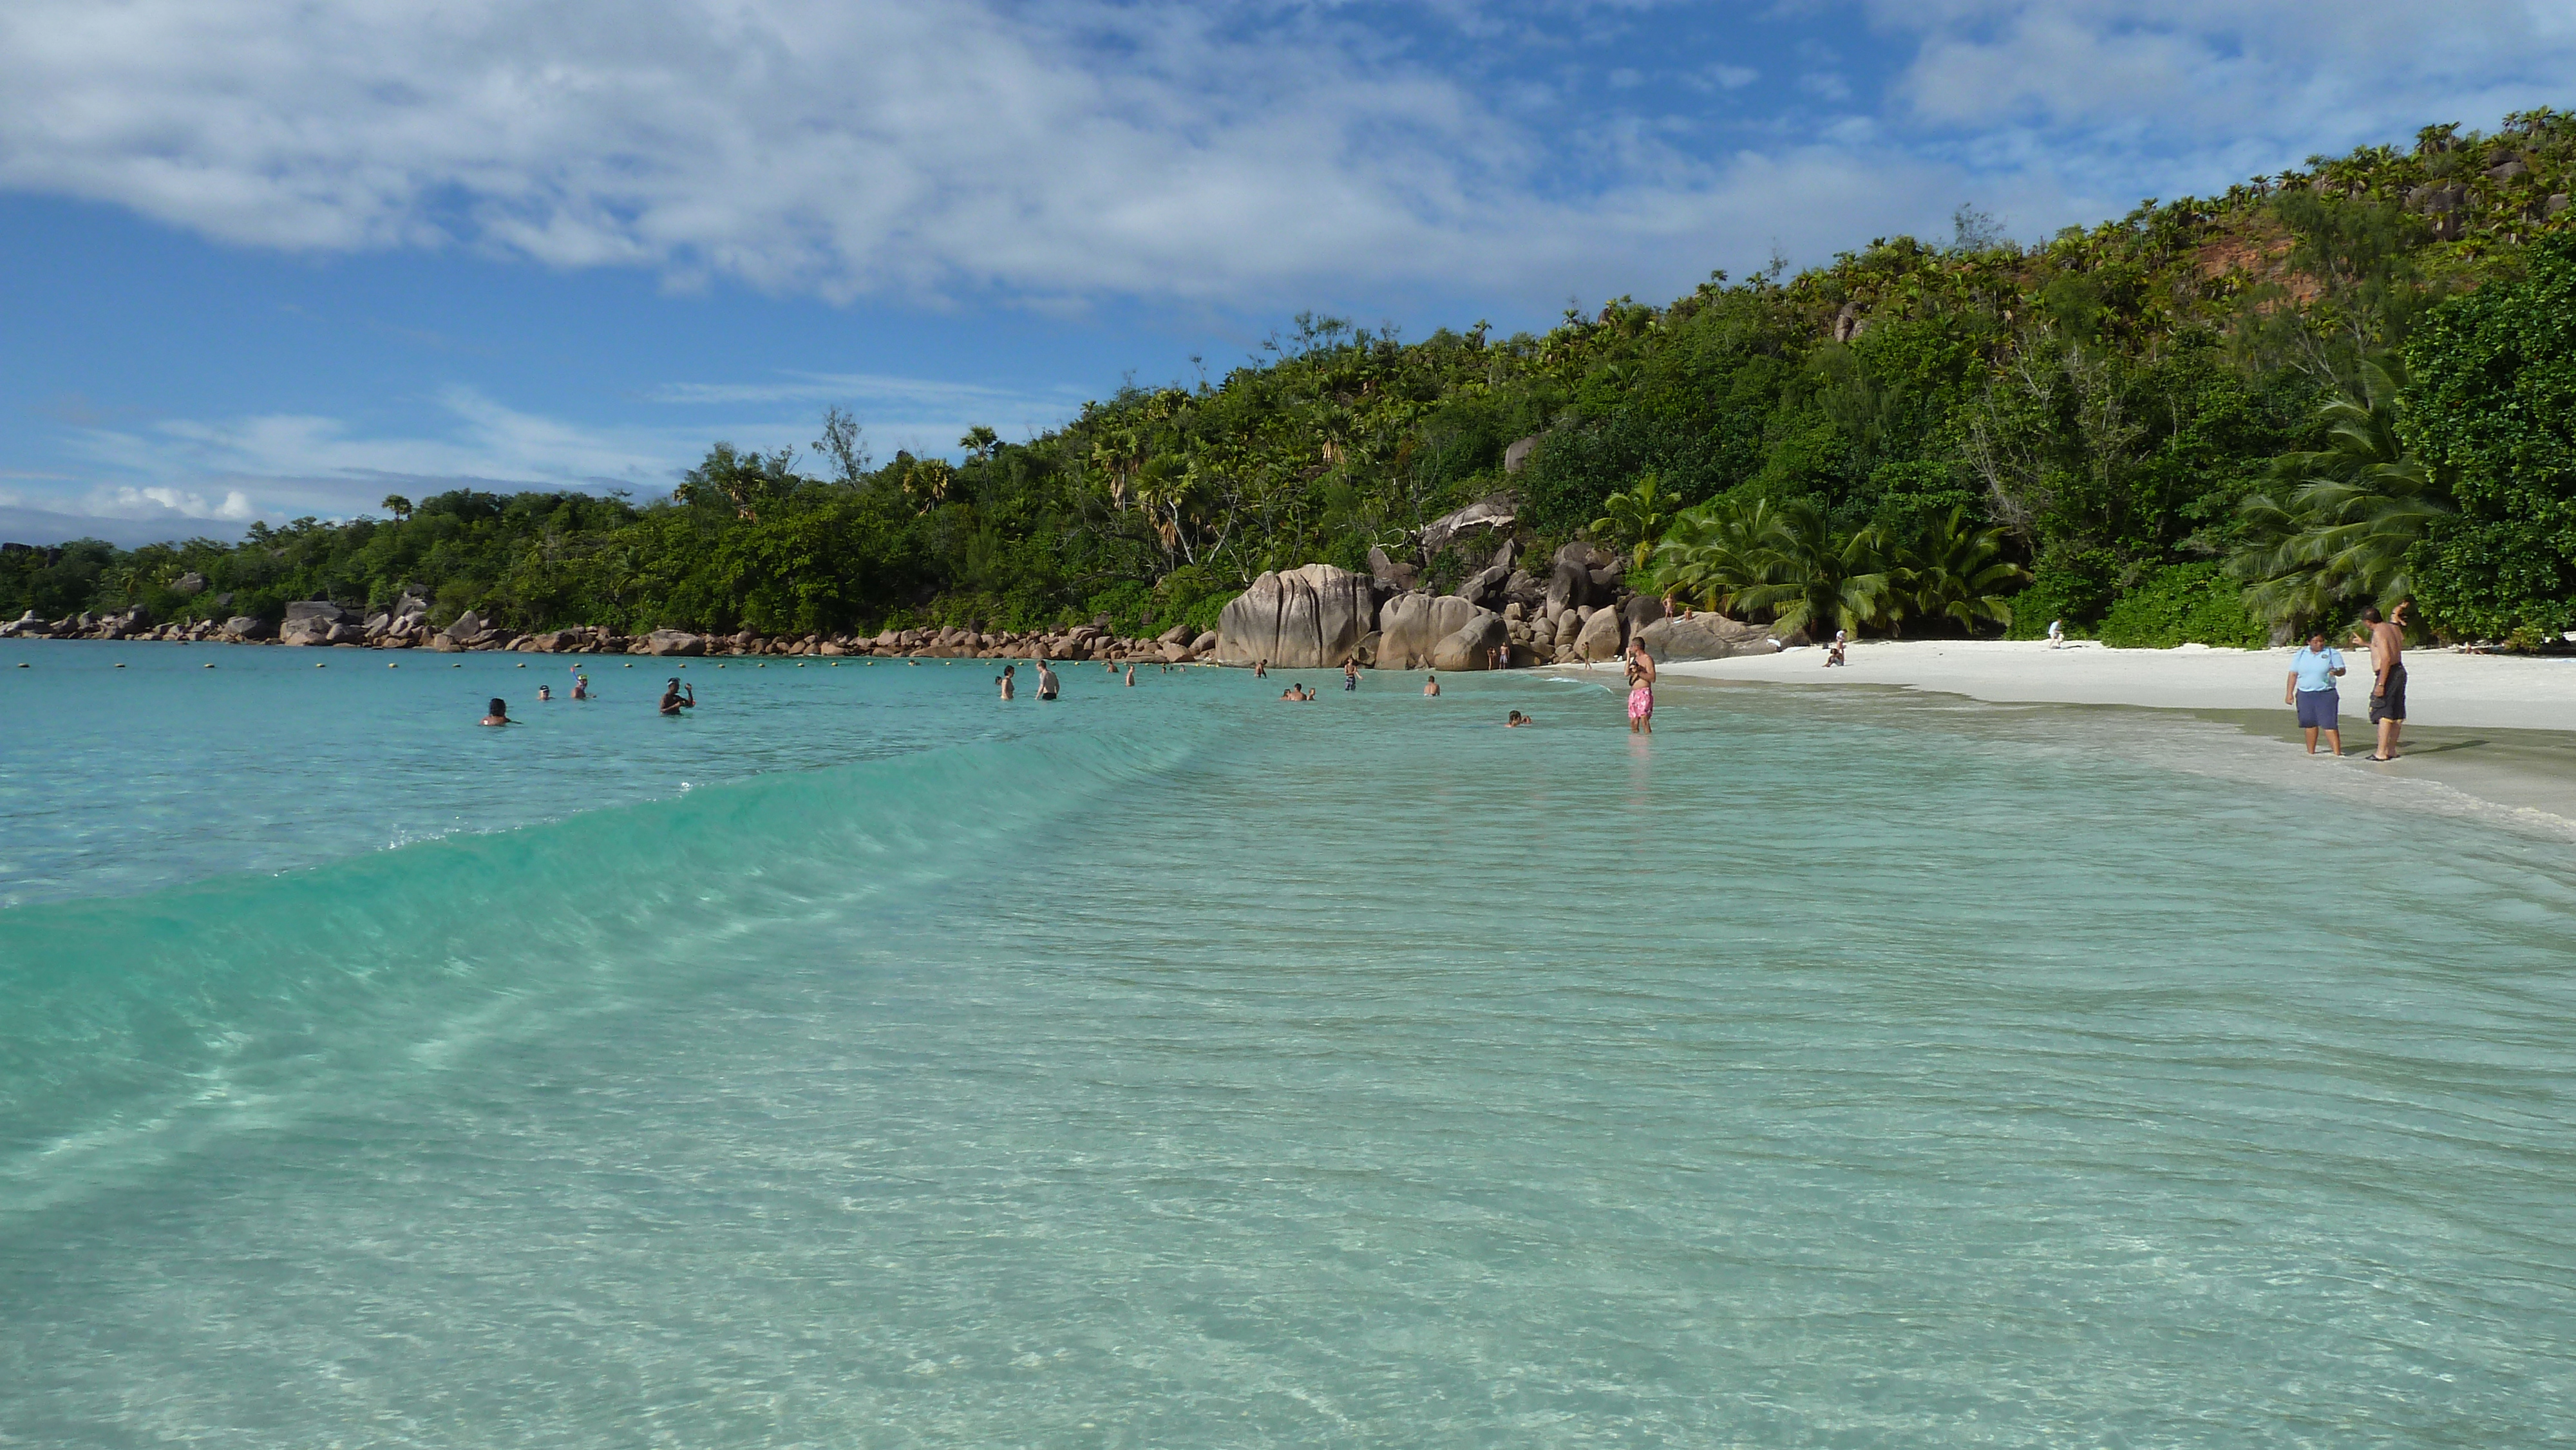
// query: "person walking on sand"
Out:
[1046,681]
[1641,691]
[2311,687]
[1010,686]
[2057,634]
[2387,680]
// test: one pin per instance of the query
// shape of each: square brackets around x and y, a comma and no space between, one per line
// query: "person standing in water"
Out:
[1350,676]
[1131,674]
[1046,681]
[580,685]
[1431,686]
[1261,669]
[2312,688]
[545,693]
[498,714]
[2387,680]
[1009,686]
[1641,691]
[674,701]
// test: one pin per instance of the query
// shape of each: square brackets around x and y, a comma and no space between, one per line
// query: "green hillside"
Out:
[2207,418]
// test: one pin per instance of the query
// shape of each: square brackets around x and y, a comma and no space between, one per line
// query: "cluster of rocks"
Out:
[1320,617]
[406,626]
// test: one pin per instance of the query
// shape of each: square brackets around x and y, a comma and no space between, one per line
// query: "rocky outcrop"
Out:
[1471,646]
[1491,512]
[310,621]
[189,585]
[674,642]
[1576,577]
[1304,619]
[1485,587]
[1705,637]
[1388,573]
[1517,456]
[246,626]
[1411,627]
[1601,637]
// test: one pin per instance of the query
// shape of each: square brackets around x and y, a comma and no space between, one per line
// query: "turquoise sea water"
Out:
[1174,1067]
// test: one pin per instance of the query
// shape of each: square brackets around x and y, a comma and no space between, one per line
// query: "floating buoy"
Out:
[457,666]
[120,664]
[389,666]
[630,664]
[22,664]
[210,664]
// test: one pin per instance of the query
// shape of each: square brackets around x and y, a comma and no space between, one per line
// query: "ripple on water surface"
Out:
[1185,1068]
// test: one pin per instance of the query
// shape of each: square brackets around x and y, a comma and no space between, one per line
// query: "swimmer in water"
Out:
[1518,720]
[1431,686]
[1010,686]
[545,692]
[500,713]
[673,701]
[580,685]
[1131,676]
[1046,682]
[1350,675]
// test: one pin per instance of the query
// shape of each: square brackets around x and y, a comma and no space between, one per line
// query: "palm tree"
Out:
[1818,579]
[1636,519]
[980,441]
[1714,551]
[397,505]
[1954,572]
[2336,525]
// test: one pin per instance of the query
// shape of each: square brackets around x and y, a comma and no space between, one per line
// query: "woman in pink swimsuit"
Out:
[1641,691]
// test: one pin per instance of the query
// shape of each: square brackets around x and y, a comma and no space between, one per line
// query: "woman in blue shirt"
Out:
[2311,687]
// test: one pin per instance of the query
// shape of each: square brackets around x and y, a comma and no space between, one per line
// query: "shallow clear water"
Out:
[1174,1067]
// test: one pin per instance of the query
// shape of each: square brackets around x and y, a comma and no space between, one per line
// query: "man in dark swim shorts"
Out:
[2388,680]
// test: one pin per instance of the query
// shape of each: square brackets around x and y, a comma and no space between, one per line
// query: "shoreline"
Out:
[2496,729]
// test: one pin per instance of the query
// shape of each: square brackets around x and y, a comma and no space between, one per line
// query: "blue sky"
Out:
[253,270]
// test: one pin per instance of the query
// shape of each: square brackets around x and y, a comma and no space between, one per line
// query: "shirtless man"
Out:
[1431,686]
[1350,675]
[1641,691]
[673,701]
[2387,679]
[1046,682]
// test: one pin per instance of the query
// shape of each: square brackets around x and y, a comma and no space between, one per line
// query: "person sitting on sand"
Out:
[499,715]
[674,701]
[1009,685]
[2312,688]
[1431,686]
[1046,682]
[1518,720]
[1834,651]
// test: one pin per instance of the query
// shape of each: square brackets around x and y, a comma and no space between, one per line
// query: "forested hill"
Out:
[2211,416]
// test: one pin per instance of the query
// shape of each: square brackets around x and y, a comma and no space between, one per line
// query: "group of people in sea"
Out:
[2310,687]
[676,697]
[1639,663]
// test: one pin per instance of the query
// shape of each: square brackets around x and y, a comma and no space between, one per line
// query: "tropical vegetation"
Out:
[2213,418]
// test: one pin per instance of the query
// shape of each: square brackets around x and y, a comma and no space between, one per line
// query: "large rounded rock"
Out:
[1705,637]
[674,642]
[1412,626]
[1600,639]
[1304,619]
[1471,646]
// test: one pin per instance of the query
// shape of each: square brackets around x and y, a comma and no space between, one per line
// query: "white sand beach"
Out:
[2500,729]
[2444,690]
